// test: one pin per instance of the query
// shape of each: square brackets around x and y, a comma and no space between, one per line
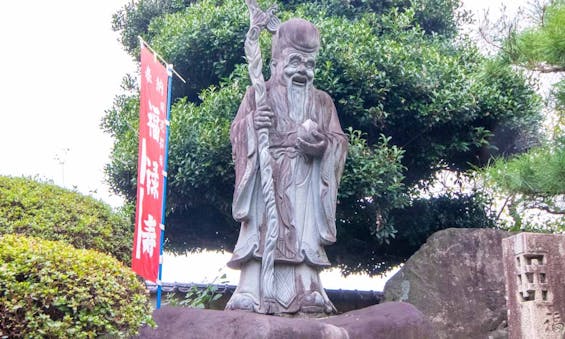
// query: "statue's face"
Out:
[298,67]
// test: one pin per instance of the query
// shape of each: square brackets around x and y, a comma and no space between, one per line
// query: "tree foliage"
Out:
[536,180]
[50,212]
[540,172]
[49,289]
[542,46]
[413,98]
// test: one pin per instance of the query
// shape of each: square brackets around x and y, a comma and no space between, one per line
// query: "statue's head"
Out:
[294,52]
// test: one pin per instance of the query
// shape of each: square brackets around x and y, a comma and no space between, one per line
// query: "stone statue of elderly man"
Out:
[307,150]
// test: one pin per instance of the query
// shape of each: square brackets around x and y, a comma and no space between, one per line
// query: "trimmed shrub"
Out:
[51,289]
[54,213]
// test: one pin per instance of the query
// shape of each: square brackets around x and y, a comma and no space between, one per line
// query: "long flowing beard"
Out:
[297,101]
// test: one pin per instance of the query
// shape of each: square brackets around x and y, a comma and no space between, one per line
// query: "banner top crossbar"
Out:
[169,66]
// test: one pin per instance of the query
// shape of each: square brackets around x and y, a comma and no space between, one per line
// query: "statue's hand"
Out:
[263,117]
[314,146]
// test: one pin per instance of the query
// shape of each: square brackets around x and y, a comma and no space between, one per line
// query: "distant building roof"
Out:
[344,300]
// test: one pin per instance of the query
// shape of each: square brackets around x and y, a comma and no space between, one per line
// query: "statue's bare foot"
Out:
[242,301]
[313,302]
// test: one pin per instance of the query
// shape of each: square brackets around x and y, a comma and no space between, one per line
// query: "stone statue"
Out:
[289,152]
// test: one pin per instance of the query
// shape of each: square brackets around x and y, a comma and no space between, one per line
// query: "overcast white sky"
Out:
[61,67]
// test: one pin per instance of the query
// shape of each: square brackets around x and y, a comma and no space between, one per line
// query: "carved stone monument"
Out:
[534,267]
[289,152]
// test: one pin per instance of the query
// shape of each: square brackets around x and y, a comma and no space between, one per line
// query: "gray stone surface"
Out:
[383,321]
[456,279]
[535,282]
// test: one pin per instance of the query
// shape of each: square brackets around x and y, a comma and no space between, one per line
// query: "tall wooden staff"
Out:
[260,20]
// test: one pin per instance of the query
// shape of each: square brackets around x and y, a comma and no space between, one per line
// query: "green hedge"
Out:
[54,213]
[50,289]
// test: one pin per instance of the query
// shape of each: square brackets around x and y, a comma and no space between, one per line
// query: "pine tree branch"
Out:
[545,68]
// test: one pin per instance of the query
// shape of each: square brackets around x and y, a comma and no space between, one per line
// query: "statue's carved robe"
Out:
[305,189]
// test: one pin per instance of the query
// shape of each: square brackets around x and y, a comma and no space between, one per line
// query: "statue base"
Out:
[382,321]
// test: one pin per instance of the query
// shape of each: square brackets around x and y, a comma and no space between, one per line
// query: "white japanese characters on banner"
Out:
[151,164]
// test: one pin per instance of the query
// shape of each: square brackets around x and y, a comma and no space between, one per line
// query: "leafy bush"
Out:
[425,216]
[415,222]
[54,213]
[50,289]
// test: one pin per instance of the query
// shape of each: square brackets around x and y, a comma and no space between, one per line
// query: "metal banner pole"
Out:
[167,123]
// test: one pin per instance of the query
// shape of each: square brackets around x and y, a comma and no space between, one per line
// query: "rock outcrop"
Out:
[457,280]
[383,321]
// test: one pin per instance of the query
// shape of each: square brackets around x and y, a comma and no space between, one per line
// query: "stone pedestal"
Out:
[383,321]
[534,266]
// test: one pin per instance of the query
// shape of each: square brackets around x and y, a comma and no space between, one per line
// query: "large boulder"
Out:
[457,280]
[383,321]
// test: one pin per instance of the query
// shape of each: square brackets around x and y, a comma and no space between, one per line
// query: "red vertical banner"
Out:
[151,166]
